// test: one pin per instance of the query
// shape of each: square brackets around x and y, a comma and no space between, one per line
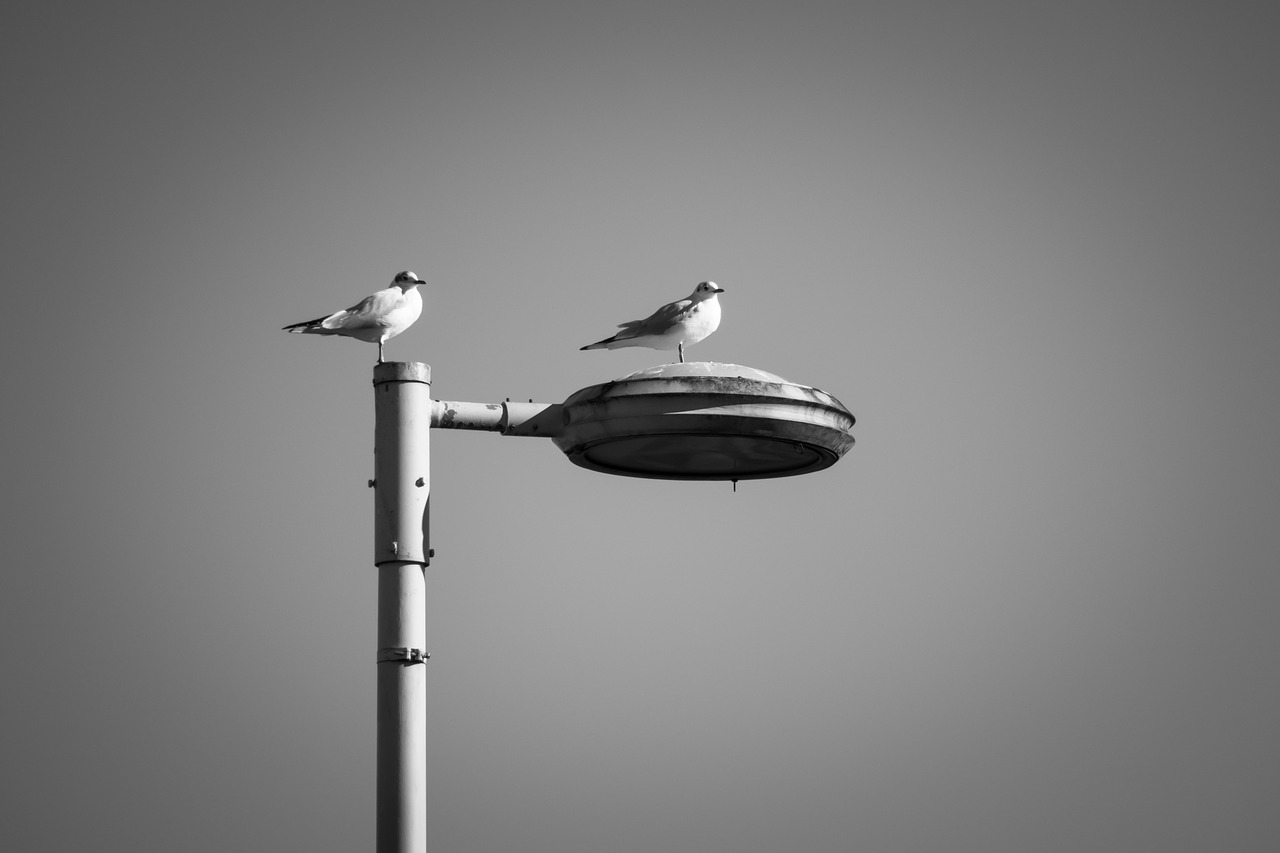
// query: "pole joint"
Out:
[403,655]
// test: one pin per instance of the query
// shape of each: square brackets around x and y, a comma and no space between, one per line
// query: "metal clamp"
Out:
[402,655]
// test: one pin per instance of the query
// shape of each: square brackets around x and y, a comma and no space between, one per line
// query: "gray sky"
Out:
[1033,247]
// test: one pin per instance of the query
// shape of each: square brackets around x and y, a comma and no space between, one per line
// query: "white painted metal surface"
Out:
[402,489]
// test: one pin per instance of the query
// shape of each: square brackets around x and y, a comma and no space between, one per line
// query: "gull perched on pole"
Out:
[375,319]
[673,325]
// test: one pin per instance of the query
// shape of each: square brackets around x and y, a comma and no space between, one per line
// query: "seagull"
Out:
[376,319]
[673,325]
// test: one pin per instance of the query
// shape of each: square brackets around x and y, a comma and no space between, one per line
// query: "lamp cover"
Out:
[704,421]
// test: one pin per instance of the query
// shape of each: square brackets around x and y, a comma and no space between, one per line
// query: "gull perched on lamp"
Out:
[672,326]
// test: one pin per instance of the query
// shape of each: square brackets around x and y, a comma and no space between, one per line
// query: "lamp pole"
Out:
[403,415]
[402,488]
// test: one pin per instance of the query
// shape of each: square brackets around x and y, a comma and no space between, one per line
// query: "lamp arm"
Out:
[542,420]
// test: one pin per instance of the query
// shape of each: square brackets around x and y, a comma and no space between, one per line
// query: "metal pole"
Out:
[402,488]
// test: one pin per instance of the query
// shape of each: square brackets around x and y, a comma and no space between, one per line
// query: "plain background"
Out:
[1032,246]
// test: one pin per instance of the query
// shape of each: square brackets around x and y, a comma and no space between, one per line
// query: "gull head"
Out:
[406,280]
[706,290]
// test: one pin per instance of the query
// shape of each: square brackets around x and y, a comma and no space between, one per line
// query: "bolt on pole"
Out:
[402,489]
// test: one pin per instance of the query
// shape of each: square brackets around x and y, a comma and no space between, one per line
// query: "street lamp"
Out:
[689,421]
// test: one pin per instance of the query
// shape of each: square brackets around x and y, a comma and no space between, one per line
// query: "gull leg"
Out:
[379,352]
[681,347]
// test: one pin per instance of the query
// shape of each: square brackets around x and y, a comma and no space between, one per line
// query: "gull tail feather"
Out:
[608,343]
[310,327]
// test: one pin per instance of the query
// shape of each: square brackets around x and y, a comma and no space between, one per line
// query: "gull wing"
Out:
[369,313]
[665,317]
